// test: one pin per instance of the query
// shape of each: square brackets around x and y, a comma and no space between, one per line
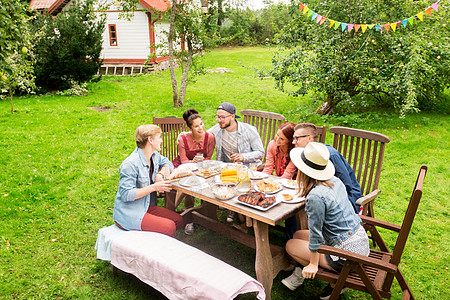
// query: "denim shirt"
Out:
[331,218]
[249,143]
[134,173]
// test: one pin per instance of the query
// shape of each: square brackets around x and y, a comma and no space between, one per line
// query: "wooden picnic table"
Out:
[270,259]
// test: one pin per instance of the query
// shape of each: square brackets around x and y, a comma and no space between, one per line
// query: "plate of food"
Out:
[192,181]
[223,192]
[289,183]
[255,175]
[258,200]
[268,186]
[289,196]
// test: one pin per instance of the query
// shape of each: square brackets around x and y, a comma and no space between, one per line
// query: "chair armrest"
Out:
[368,198]
[379,223]
[351,256]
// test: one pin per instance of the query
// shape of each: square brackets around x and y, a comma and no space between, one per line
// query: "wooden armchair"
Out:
[364,151]
[171,127]
[321,133]
[266,123]
[375,274]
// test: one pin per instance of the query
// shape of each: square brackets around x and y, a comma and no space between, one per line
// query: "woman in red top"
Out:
[189,145]
[277,157]
[195,141]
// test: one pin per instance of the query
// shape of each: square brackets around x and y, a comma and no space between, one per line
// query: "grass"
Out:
[59,177]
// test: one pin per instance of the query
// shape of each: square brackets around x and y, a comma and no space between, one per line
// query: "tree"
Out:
[68,46]
[16,70]
[405,67]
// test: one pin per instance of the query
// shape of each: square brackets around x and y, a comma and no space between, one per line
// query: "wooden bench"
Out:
[177,270]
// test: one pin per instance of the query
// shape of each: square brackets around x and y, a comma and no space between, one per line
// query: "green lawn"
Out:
[59,177]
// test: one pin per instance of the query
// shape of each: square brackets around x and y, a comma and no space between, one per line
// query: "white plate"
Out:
[293,193]
[259,207]
[289,183]
[274,192]
[255,175]
[188,167]
[192,181]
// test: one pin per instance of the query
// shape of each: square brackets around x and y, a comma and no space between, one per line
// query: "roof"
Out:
[41,4]
[55,6]
[161,5]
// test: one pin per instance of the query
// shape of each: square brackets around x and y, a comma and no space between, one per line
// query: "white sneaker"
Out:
[189,229]
[295,280]
[231,217]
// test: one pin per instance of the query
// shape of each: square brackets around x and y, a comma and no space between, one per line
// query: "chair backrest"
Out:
[266,123]
[171,127]
[364,151]
[407,223]
[321,133]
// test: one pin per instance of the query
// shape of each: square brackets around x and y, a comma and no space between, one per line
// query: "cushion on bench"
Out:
[177,270]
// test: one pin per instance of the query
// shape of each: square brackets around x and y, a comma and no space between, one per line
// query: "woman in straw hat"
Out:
[331,218]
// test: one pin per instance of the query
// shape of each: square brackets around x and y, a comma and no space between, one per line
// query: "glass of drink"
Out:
[244,183]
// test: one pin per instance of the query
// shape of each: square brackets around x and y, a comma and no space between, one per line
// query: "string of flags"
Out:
[319,19]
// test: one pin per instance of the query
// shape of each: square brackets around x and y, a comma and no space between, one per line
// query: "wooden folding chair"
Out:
[375,274]
[171,127]
[364,151]
[266,123]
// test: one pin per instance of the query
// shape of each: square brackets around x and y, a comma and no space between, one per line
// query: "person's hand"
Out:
[237,157]
[162,186]
[310,271]
[165,172]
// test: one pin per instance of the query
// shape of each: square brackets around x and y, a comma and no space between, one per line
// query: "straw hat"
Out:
[313,160]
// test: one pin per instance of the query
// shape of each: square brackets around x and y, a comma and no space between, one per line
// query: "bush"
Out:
[68,47]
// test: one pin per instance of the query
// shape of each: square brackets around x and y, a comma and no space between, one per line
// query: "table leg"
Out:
[263,261]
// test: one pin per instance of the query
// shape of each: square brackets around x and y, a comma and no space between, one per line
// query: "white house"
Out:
[127,44]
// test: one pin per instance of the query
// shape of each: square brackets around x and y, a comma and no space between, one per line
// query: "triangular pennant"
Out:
[435,6]
[305,10]
[332,22]
[336,25]
[377,28]
[394,26]
[343,26]
[301,7]
[404,22]
[319,17]
[323,20]
[420,16]
[310,13]
[357,26]
[411,20]
[350,27]
[364,27]
[314,15]
[428,10]
[387,26]
[371,26]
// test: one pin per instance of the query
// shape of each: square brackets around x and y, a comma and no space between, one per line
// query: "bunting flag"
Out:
[319,19]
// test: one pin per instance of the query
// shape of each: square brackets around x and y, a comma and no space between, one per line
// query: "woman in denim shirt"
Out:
[331,218]
[141,176]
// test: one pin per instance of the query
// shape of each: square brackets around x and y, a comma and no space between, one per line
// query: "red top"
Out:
[277,159]
[188,148]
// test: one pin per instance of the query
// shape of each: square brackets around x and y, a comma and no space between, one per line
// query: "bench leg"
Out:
[263,261]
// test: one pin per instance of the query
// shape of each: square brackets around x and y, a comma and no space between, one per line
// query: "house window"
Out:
[112,35]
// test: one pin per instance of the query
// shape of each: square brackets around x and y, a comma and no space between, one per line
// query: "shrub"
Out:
[68,47]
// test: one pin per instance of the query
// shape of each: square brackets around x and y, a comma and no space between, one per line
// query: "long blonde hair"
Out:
[306,183]
[143,132]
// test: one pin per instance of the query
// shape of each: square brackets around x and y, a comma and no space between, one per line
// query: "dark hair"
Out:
[310,128]
[190,115]
[288,131]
